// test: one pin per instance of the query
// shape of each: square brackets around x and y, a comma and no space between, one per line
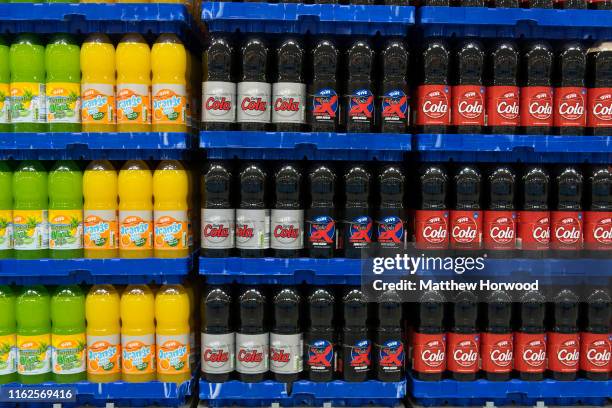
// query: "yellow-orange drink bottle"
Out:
[170,193]
[133,82]
[135,210]
[137,334]
[100,210]
[98,112]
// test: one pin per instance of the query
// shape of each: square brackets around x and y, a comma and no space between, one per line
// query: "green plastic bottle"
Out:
[8,336]
[27,65]
[65,211]
[5,90]
[68,334]
[30,215]
[6,211]
[62,59]
[33,335]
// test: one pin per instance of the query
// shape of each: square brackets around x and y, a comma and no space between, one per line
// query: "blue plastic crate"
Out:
[300,145]
[302,18]
[515,23]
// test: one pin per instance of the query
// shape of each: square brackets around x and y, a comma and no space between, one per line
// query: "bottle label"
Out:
[566,230]
[63,102]
[321,231]
[599,102]
[431,229]
[289,102]
[28,102]
[433,105]
[100,230]
[533,230]
[287,229]
[595,352]
[463,352]
[530,352]
[30,229]
[500,230]
[252,229]
[358,356]
[359,230]
[537,106]
[103,354]
[360,106]
[218,101]
[218,353]
[503,105]
[135,230]
[286,353]
[5,102]
[254,99]
[597,230]
[466,229]
[8,354]
[133,104]
[390,356]
[170,230]
[496,351]
[468,105]
[394,107]
[68,353]
[429,353]
[218,228]
[325,105]
[391,232]
[570,105]
[138,354]
[97,104]
[6,229]
[320,356]
[65,229]
[563,352]
[169,104]
[34,354]
[252,353]
[173,354]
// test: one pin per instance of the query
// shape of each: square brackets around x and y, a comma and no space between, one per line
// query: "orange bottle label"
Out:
[138,354]
[135,230]
[133,104]
[169,104]
[173,354]
[171,230]
[103,354]
[98,104]
[100,230]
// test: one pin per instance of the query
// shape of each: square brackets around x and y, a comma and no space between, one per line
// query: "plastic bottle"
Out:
[468,108]
[6,211]
[252,217]
[68,334]
[599,100]
[27,65]
[321,218]
[503,93]
[600,4]
[431,220]
[357,222]
[323,103]
[169,96]
[466,220]
[497,343]
[33,335]
[533,230]
[463,340]
[8,336]
[356,345]
[218,215]
[394,102]
[391,216]
[135,185]
[536,92]
[530,339]
[598,218]
[254,91]
[433,94]
[170,186]
[30,215]
[252,338]
[137,334]
[102,312]
[429,338]
[286,337]
[564,341]
[500,219]
[218,337]
[566,223]
[287,219]
[133,60]
[359,100]
[5,88]
[65,211]
[595,342]
[98,110]
[320,338]
[172,334]
[218,87]
[389,351]
[570,92]
[289,91]
[100,232]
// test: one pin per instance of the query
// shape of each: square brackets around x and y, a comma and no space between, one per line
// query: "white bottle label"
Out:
[252,229]
[218,353]
[287,229]
[286,353]
[288,102]
[253,102]
[252,353]
[218,228]
[218,101]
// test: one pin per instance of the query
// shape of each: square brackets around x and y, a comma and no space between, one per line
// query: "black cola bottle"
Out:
[466,219]
[321,217]
[468,107]
[289,91]
[252,338]
[431,225]
[598,217]
[570,92]
[356,344]
[500,218]
[323,96]
[218,86]
[286,338]
[433,112]
[564,340]
[530,339]
[497,346]
[320,338]
[595,337]
[394,109]
[389,351]
[360,106]
[503,96]
[287,219]
[567,220]
[218,217]
[599,101]
[533,230]
[463,340]
[358,224]
[536,91]
[252,217]
[218,337]
[391,215]
[254,91]
[429,338]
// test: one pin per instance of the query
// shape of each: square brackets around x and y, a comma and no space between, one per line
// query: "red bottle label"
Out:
[599,107]
[563,352]
[533,230]
[503,106]
[428,352]
[595,352]
[496,352]
[566,230]
[570,106]
[433,105]
[468,105]
[598,230]
[536,106]
[431,229]
[530,352]
[463,352]
[466,229]
[500,230]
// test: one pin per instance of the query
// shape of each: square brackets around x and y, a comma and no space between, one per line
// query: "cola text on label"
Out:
[500,230]
[566,230]
[466,229]
[429,353]
[497,352]
[503,106]
[468,105]
[596,352]
[433,105]
[431,229]
[563,352]
[530,352]
[536,106]
[533,230]
[463,352]
[599,105]
[598,230]
[570,107]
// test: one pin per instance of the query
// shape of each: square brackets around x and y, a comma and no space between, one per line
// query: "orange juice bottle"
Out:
[100,234]
[103,334]
[137,334]
[133,82]
[168,65]
[98,84]
[172,334]
[170,193]
[135,210]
